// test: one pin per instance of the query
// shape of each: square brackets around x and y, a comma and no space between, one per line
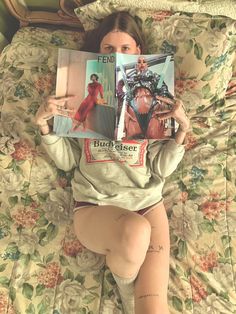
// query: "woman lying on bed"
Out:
[119,209]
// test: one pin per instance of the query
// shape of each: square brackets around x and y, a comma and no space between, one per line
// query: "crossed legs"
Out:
[132,244]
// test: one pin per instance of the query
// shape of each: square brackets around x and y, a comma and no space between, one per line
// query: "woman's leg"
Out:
[152,282]
[122,235]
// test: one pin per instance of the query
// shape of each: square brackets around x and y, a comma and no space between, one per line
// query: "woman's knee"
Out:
[135,237]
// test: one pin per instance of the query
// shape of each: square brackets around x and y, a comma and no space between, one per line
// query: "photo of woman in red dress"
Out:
[94,90]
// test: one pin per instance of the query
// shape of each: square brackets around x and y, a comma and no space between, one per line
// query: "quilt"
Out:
[44,269]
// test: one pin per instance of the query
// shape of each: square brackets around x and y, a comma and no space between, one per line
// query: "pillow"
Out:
[202,47]
[212,7]
[203,52]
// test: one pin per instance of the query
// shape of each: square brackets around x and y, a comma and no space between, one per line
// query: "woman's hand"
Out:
[52,107]
[177,112]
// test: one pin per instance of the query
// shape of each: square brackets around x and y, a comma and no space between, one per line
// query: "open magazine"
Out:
[116,95]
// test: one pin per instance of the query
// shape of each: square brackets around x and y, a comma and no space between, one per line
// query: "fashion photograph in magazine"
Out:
[118,95]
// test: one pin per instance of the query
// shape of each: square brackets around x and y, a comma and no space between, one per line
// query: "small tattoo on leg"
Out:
[122,215]
[152,249]
[148,295]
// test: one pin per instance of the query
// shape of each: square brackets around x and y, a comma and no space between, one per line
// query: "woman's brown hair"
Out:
[121,21]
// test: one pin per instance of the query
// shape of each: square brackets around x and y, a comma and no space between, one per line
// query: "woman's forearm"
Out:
[44,128]
[180,136]
[181,133]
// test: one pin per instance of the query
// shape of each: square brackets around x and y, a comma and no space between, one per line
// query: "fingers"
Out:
[63,108]
[163,116]
[162,111]
[166,100]
[175,103]
[166,114]
[177,111]
[58,106]
[59,100]
[53,106]
[64,112]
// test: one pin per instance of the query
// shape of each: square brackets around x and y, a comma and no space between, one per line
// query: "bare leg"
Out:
[152,282]
[122,235]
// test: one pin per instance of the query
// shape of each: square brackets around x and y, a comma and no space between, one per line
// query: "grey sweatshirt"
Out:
[129,174]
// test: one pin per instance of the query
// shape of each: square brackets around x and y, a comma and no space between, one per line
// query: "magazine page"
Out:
[91,78]
[139,80]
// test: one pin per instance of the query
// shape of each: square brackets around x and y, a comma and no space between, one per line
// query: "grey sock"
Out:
[126,290]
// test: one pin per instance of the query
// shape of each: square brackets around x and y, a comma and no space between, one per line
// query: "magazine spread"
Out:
[116,95]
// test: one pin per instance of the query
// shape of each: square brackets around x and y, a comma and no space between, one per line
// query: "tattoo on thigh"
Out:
[148,295]
[122,215]
[152,249]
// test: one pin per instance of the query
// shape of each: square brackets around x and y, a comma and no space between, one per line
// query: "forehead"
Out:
[116,38]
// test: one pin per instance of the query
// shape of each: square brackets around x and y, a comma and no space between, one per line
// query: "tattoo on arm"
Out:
[152,249]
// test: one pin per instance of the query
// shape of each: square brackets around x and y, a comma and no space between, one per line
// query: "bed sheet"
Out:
[43,267]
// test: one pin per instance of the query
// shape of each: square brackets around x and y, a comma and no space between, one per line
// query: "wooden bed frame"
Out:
[63,16]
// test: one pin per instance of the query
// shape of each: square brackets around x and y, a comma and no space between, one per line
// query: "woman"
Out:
[119,209]
[141,104]
[94,89]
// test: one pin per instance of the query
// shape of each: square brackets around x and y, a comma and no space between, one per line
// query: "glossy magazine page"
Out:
[140,79]
[88,77]
[115,95]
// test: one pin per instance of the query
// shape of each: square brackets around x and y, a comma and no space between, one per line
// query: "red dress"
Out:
[94,89]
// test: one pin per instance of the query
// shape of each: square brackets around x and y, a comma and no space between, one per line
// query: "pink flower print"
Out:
[212,209]
[72,247]
[191,141]
[198,291]
[45,83]
[34,205]
[5,306]
[26,217]
[207,261]
[184,83]
[23,151]
[214,195]
[50,276]
[161,15]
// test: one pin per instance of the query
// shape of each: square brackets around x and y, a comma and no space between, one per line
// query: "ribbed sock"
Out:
[126,290]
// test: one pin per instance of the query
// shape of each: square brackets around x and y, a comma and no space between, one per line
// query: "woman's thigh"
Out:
[102,228]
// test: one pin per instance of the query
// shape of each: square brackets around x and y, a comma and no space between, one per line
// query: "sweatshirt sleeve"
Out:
[65,152]
[165,156]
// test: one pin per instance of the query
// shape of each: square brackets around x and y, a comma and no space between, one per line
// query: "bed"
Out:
[43,267]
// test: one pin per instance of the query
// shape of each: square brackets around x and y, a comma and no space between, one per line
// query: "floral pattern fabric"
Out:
[43,267]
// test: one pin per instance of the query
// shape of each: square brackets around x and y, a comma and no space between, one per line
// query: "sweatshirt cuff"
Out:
[50,139]
[172,145]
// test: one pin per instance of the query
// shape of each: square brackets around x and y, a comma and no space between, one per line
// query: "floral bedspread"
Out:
[43,267]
